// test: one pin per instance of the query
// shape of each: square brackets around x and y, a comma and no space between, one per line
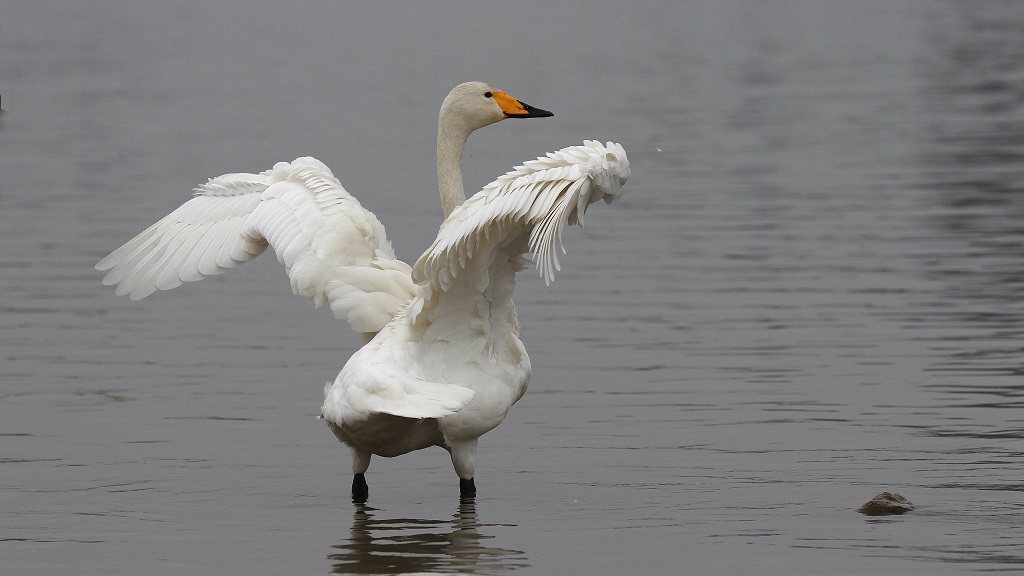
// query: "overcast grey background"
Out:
[809,293]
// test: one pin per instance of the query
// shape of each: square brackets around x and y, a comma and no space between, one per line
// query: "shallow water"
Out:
[810,292]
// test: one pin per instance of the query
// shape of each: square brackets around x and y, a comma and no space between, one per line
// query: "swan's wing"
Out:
[535,202]
[299,208]
[203,237]
[369,296]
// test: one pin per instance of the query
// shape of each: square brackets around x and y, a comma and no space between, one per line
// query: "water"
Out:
[809,293]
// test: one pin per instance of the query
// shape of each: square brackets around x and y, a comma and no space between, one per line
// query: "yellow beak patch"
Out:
[509,105]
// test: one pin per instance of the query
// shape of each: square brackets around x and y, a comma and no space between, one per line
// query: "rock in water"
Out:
[886,503]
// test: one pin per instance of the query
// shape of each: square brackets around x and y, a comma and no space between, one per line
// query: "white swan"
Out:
[443,362]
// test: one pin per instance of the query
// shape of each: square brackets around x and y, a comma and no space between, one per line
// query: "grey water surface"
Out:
[810,292]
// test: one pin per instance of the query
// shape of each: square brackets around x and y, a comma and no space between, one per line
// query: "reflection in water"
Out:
[381,545]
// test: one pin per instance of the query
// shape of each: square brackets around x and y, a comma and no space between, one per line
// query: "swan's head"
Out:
[477,104]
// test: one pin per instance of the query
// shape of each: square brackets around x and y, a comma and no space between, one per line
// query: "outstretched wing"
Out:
[535,201]
[299,208]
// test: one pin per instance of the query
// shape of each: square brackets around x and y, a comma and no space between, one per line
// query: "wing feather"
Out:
[299,208]
[536,200]
[138,267]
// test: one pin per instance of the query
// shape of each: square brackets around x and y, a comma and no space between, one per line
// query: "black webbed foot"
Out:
[360,491]
[467,488]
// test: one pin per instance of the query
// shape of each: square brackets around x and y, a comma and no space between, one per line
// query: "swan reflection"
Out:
[384,545]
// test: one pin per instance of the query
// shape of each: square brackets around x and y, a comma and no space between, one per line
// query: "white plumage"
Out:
[443,361]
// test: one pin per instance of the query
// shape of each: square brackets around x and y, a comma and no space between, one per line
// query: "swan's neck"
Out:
[451,139]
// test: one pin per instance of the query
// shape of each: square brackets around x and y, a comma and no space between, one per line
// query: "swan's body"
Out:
[443,362]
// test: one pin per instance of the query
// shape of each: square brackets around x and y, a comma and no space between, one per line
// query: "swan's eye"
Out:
[488,95]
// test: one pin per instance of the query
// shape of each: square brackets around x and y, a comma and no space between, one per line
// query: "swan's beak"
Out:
[515,109]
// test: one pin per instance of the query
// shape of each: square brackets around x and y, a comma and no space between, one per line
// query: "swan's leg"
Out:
[360,462]
[464,458]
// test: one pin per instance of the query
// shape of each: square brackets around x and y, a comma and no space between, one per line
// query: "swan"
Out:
[442,362]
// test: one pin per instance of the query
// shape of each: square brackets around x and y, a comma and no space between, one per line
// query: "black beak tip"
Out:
[538,113]
[532,112]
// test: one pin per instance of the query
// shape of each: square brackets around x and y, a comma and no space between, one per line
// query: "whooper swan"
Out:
[443,362]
